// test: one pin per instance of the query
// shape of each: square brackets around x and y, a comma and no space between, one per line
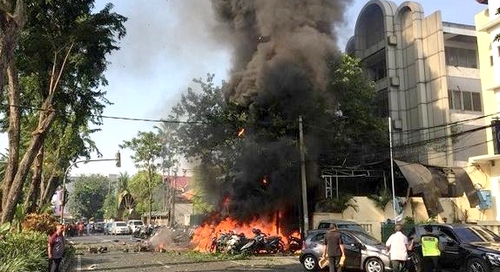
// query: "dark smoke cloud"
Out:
[281,50]
[267,33]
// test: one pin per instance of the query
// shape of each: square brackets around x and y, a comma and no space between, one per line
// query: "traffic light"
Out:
[118,159]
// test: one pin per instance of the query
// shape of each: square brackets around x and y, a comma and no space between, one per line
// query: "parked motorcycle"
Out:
[144,232]
[235,243]
[262,243]
[294,244]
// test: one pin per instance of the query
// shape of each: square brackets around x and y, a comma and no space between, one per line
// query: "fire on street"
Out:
[123,254]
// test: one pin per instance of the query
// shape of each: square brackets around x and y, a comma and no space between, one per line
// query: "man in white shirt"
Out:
[397,245]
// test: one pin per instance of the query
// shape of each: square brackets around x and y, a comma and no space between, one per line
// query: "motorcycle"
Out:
[294,244]
[144,232]
[235,243]
[261,242]
[274,244]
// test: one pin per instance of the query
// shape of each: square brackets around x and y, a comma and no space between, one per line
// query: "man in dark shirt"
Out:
[55,248]
[334,247]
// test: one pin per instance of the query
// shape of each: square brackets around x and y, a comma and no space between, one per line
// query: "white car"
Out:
[134,225]
[119,227]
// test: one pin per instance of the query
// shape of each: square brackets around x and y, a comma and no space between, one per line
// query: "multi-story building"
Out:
[427,79]
[486,167]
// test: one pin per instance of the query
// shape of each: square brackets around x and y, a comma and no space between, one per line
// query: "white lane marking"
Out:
[164,265]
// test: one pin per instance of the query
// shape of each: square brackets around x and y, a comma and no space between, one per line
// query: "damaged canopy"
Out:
[432,183]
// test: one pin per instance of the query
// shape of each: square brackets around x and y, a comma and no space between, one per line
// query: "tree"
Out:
[58,68]
[143,191]
[147,148]
[252,168]
[87,196]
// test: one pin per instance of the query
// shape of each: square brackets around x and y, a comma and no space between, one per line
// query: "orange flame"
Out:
[203,235]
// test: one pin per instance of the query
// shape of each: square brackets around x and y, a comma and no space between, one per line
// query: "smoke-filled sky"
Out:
[170,42]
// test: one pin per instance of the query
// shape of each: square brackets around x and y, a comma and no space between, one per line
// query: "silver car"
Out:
[363,251]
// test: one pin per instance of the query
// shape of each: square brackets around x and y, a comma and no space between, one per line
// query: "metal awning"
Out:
[417,175]
[420,179]
[432,183]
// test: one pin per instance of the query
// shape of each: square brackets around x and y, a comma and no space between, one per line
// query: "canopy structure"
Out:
[432,182]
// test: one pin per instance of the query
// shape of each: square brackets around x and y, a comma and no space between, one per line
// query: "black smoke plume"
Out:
[279,71]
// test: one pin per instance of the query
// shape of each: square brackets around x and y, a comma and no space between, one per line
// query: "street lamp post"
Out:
[118,164]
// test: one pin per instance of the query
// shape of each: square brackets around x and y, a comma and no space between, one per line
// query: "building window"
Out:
[463,100]
[491,60]
[461,57]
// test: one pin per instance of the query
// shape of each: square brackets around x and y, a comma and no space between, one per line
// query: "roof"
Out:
[179,182]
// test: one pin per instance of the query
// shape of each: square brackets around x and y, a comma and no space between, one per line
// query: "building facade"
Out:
[427,80]
[485,168]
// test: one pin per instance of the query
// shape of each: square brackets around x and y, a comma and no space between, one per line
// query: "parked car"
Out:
[363,251]
[134,225]
[107,228]
[99,227]
[119,227]
[467,247]
[341,224]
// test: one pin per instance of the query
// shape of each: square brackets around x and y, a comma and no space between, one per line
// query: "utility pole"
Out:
[174,192]
[303,177]
[392,170]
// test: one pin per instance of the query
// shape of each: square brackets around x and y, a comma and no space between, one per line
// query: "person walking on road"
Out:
[430,250]
[397,245]
[334,248]
[55,249]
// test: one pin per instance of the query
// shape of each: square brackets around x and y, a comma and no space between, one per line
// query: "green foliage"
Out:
[339,123]
[25,251]
[337,205]
[87,198]
[382,199]
[147,147]
[148,150]
[140,187]
[409,220]
[110,206]
[4,229]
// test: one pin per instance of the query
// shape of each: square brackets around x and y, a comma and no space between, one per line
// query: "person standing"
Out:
[397,245]
[334,247]
[55,248]
[430,250]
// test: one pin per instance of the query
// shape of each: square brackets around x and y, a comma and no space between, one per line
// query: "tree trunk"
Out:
[37,139]
[12,19]
[30,201]
[48,188]
[14,131]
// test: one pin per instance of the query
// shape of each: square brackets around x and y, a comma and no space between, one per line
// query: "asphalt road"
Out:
[121,256]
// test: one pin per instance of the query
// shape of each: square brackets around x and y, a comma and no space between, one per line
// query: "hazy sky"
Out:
[170,42]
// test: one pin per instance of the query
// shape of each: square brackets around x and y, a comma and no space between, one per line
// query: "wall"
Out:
[371,217]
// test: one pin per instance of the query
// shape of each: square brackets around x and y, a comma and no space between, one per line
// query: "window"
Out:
[463,100]
[461,57]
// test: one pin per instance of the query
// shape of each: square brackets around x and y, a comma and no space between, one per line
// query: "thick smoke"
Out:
[269,33]
[279,66]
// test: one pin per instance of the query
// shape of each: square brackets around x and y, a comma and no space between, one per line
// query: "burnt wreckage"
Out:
[410,180]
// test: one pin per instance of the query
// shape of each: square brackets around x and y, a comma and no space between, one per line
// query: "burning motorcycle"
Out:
[235,243]
[261,242]
[294,244]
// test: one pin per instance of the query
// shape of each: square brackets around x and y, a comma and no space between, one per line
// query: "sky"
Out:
[168,44]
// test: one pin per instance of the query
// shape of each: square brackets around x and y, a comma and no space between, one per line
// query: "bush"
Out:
[26,251]
[44,223]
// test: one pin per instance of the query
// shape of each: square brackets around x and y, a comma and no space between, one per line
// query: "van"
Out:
[134,225]
[341,224]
